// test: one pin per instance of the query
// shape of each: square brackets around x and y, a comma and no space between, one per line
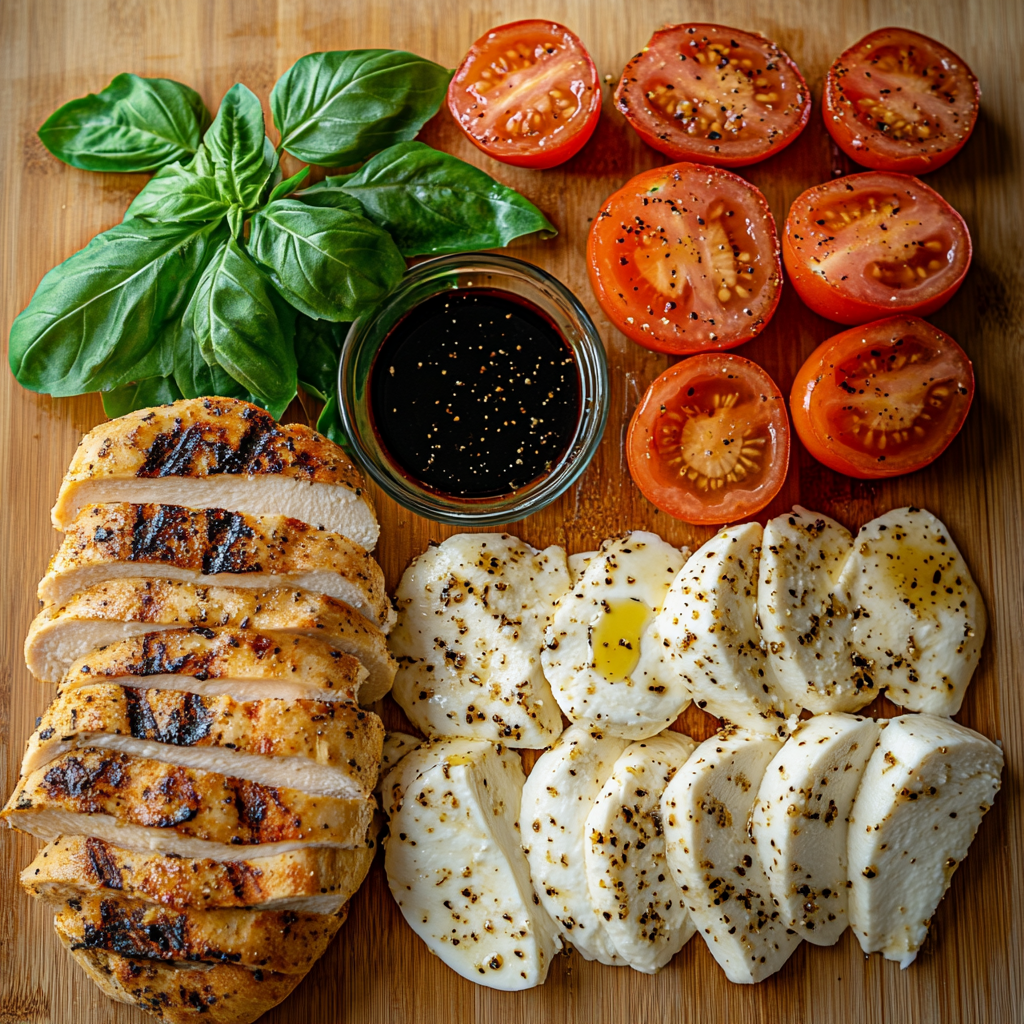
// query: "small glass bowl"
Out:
[473,270]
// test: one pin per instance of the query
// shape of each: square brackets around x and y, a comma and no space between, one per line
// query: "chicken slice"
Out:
[800,821]
[629,881]
[921,799]
[219,452]
[213,546]
[706,811]
[558,795]
[456,868]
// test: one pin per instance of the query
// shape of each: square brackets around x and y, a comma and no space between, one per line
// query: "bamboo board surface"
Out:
[972,967]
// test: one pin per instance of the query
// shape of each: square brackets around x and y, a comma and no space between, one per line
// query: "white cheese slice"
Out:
[456,868]
[471,619]
[921,799]
[630,884]
[557,798]
[706,634]
[396,746]
[595,641]
[918,614]
[706,812]
[800,821]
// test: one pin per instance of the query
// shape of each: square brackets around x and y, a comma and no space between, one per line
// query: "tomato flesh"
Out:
[872,244]
[899,101]
[883,399]
[685,258]
[709,443]
[714,95]
[527,94]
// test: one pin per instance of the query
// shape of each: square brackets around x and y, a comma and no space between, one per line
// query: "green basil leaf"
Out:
[317,350]
[140,394]
[135,124]
[329,264]
[96,320]
[183,194]
[290,185]
[232,320]
[335,109]
[330,193]
[244,158]
[431,202]
[329,423]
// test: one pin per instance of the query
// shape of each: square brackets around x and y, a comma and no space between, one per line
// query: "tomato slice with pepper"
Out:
[709,443]
[714,94]
[685,258]
[527,94]
[882,399]
[899,101]
[874,244]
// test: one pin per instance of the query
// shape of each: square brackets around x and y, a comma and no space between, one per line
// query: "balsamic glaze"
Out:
[475,393]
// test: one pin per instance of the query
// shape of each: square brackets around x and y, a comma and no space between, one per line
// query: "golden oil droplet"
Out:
[615,638]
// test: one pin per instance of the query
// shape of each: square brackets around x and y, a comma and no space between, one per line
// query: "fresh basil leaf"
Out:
[431,202]
[135,124]
[183,194]
[330,193]
[290,185]
[96,320]
[329,423]
[336,108]
[317,350]
[329,264]
[233,322]
[244,158]
[140,394]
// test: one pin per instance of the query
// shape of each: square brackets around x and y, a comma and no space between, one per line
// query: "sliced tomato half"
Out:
[709,443]
[873,244]
[714,94]
[685,258]
[882,399]
[527,94]
[899,101]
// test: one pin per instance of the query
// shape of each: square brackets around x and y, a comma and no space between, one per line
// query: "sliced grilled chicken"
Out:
[213,662]
[800,821]
[921,799]
[212,546]
[183,993]
[328,747]
[147,805]
[219,452]
[112,611]
[283,941]
[312,880]
[706,812]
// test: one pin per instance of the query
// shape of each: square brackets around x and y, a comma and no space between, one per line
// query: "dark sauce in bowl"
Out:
[475,393]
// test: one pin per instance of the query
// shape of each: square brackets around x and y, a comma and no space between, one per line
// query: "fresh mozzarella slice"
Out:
[706,809]
[923,794]
[558,796]
[706,634]
[800,821]
[396,746]
[806,629]
[472,614]
[595,640]
[918,614]
[456,867]
[644,911]
[578,564]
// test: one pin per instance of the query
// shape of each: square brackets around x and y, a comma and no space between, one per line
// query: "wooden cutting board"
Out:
[972,967]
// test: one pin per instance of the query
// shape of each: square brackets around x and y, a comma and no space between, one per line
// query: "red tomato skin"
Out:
[545,159]
[633,331]
[647,131]
[851,140]
[828,301]
[801,399]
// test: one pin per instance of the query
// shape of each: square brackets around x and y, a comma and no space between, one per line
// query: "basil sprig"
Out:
[224,279]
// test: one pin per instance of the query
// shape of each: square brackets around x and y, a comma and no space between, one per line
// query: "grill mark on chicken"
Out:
[187,725]
[103,865]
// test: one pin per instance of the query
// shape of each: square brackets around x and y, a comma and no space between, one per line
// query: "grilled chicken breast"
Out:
[327,747]
[112,611]
[213,546]
[147,805]
[312,880]
[219,452]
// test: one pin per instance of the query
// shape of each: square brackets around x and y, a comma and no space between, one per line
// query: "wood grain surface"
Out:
[972,967]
